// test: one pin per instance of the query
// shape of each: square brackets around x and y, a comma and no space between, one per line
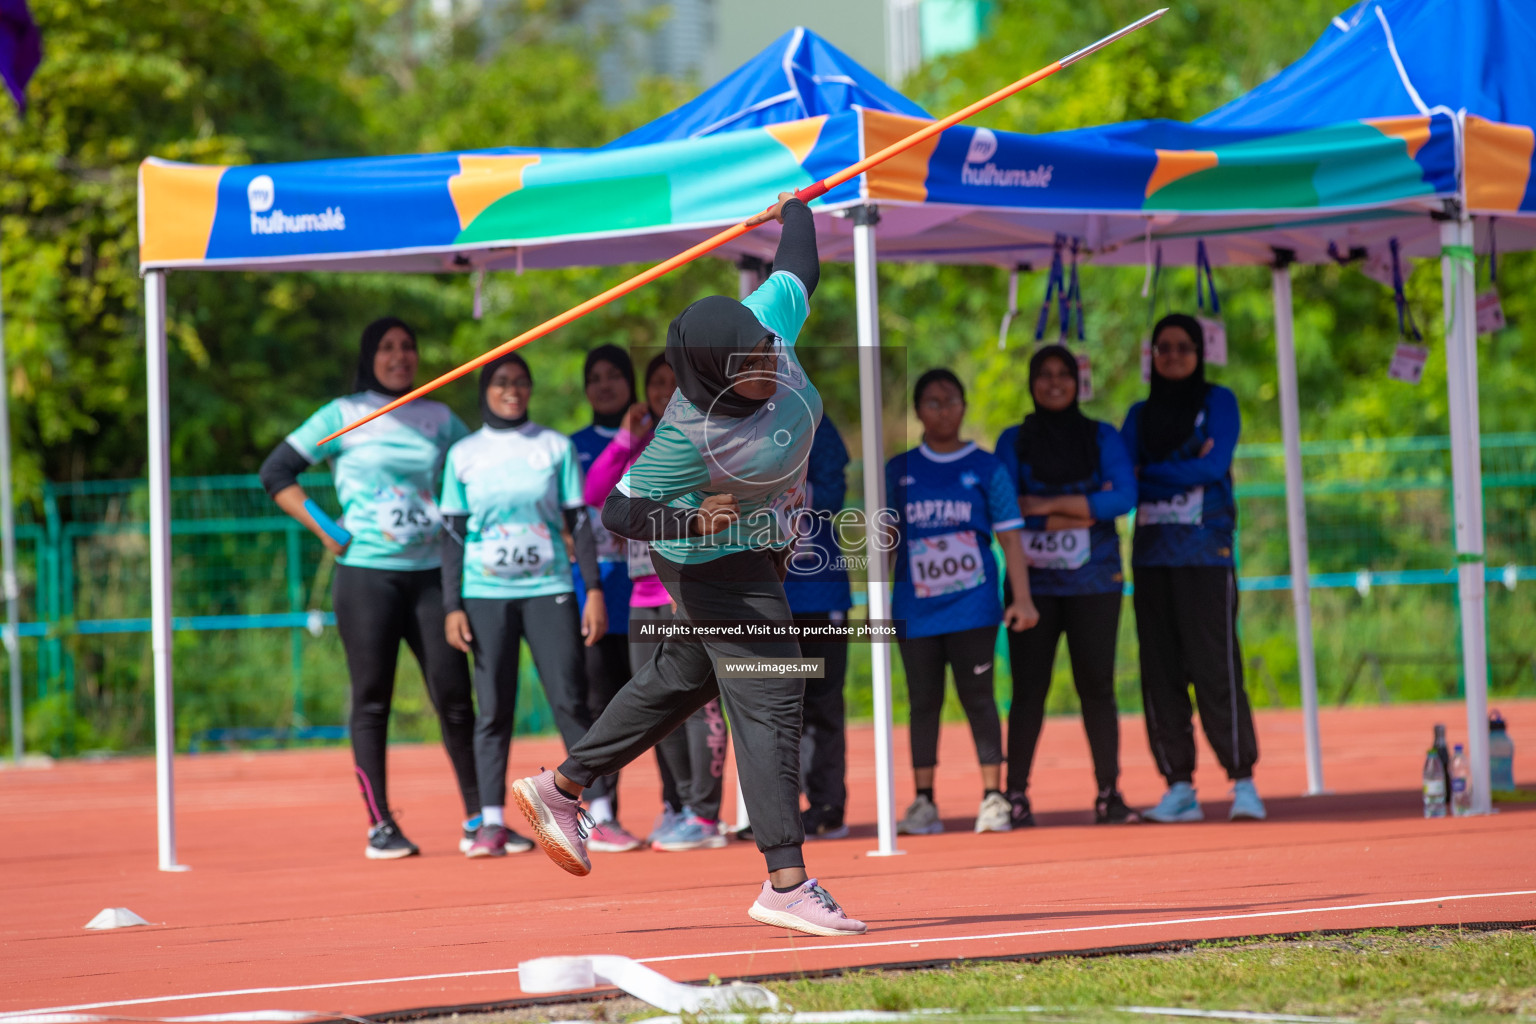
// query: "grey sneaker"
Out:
[995,814]
[921,819]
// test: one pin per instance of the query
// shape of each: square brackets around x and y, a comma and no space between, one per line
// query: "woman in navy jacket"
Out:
[1182,439]
[1074,479]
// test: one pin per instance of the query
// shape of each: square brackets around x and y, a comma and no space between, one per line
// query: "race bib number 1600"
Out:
[945,564]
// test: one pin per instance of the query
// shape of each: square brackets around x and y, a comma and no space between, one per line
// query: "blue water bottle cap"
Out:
[1457,749]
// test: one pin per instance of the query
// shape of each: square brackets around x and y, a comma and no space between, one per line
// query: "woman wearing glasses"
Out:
[950,498]
[1182,439]
[715,494]
[508,490]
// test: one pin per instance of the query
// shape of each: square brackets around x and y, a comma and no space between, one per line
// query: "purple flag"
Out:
[21,48]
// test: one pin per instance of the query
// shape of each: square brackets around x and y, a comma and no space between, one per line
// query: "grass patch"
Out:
[1442,974]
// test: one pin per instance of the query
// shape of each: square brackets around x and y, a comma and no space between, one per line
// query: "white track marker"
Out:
[115,917]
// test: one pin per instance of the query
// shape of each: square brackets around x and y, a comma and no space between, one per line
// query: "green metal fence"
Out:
[256,647]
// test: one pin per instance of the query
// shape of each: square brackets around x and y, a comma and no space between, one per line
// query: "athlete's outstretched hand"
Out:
[457,628]
[774,212]
[717,513]
[637,420]
[1021,615]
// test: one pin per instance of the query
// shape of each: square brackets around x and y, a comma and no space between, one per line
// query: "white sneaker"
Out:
[921,819]
[995,814]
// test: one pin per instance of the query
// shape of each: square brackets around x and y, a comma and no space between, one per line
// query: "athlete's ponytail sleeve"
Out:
[797,246]
[579,521]
[452,547]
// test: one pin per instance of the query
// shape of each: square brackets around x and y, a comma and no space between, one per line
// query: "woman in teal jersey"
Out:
[714,493]
[387,587]
[508,491]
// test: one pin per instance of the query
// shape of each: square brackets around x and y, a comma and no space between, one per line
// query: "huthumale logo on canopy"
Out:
[261,194]
[983,147]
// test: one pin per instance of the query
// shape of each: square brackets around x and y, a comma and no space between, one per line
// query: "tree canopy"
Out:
[251,355]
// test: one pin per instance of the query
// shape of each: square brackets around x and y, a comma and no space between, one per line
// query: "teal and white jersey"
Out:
[760,458]
[386,476]
[514,486]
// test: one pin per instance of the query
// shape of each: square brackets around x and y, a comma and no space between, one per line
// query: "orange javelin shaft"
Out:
[807,194]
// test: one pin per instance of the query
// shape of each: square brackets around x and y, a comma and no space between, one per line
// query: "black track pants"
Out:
[970,654]
[375,610]
[692,756]
[765,711]
[552,628]
[824,746]
[1186,622]
[607,666]
[1091,623]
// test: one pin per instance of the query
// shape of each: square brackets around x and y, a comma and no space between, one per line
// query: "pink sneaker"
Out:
[810,909]
[611,837]
[559,823]
[497,841]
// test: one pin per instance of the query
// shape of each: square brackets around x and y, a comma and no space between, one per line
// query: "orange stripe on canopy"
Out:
[178,202]
[1498,164]
[1173,164]
[483,179]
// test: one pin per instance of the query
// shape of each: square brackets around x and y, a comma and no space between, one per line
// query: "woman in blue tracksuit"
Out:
[1182,439]
[1074,479]
[950,499]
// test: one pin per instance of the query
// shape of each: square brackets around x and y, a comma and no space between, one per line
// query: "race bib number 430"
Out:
[1187,509]
[1057,549]
[945,564]
[518,552]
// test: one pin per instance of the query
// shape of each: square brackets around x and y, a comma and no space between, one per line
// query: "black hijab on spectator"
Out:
[1059,446]
[619,360]
[700,344]
[1168,418]
[488,371]
[369,348]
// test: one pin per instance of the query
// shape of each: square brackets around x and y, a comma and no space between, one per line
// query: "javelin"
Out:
[806,194]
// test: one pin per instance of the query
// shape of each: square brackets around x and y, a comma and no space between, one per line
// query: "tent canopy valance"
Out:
[800,111]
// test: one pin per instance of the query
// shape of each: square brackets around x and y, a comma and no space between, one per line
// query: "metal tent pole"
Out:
[1457,268]
[1296,515]
[750,273]
[8,558]
[160,564]
[872,424]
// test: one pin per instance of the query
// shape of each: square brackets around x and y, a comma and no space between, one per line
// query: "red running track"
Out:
[281,911]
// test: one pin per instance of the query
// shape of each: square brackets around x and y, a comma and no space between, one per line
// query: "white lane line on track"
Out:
[909,943]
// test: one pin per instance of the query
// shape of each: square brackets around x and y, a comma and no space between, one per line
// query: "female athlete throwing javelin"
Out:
[714,493]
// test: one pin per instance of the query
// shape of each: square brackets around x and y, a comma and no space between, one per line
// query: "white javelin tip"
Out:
[1072,58]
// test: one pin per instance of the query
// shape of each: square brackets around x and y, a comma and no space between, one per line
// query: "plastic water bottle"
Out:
[1501,756]
[1434,785]
[1461,784]
[1444,752]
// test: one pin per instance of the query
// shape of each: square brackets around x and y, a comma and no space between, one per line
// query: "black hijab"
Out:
[488,371]
[700,344]
[656,363]
[1168,418]
[619,360]
[1060,446]
[369,348]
